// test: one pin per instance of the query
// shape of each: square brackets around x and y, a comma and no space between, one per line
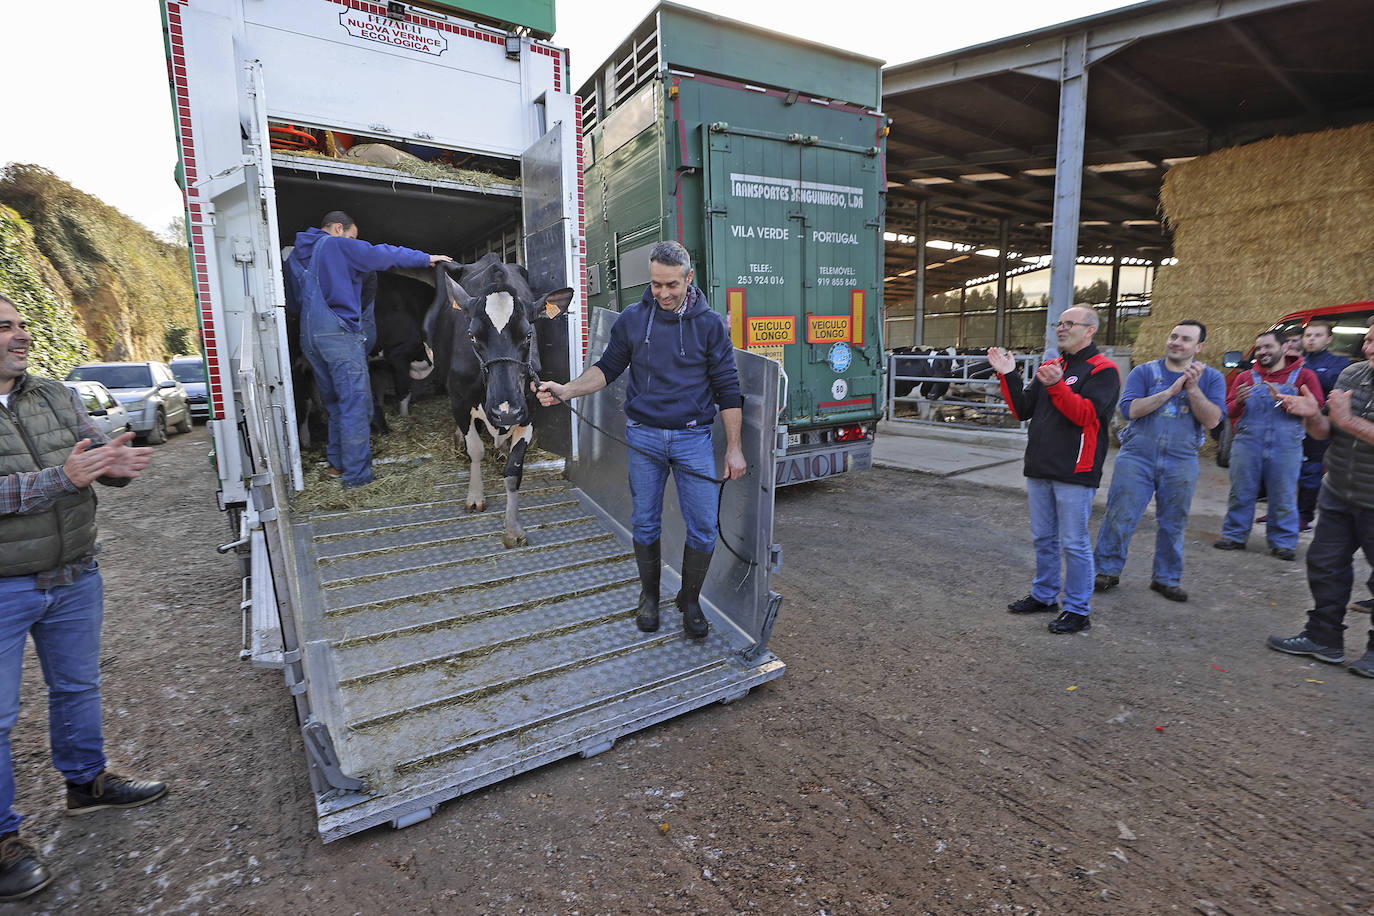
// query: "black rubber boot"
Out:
[694,566]
[650,560]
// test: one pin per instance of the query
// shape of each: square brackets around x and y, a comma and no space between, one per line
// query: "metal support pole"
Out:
[918,330]
[1112,300]
[999,336]
[963,304]
[1068,179]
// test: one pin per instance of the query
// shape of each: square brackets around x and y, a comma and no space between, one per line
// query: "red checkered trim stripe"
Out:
[195,212]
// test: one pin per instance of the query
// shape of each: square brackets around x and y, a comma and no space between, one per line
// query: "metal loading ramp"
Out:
[439,662]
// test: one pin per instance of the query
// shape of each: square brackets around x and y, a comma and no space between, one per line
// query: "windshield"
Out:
[133,375]
[189,373]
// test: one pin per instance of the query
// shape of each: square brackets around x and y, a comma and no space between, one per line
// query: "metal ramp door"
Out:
[443,663]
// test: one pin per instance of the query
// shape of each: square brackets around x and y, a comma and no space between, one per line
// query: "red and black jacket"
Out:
[1068,421]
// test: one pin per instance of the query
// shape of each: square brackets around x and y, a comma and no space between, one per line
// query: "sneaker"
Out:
[1363,666]
[332,472]
[1303,645]
[1225,544]
[1363,607]
[1069,622]
[1105,582]
[1028,605]
[110,790]
[1283,553]
[21,873]
[1172,592]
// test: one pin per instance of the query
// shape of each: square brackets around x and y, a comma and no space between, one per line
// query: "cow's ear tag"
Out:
[556,302]
[454,303]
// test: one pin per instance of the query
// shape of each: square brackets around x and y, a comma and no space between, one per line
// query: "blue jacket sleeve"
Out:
[723,373]
[364,256]
[616,357]
[1135,387]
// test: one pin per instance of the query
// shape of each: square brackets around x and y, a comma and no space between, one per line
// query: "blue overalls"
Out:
[1158,458]
[1268,449]
[338,356]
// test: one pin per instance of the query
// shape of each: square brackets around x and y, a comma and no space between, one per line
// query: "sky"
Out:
[86,80]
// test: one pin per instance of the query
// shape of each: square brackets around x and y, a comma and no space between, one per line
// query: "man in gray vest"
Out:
[1345,516]
[50,589]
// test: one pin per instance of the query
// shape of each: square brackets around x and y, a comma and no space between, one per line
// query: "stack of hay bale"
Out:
[1262,230]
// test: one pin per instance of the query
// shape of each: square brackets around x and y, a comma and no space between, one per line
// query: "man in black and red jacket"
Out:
[1069,404]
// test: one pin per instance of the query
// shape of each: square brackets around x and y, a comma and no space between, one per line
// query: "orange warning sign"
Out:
[827,328]
[770,329]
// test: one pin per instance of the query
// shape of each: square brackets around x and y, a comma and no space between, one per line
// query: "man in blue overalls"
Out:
[325,275]
[1170,403]
[1267,447]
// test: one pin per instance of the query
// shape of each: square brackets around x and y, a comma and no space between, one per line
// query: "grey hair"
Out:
[672,254]
[8,301]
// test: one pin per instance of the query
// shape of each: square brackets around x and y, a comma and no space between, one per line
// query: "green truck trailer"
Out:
[764,156]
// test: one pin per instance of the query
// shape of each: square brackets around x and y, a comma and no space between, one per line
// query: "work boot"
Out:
[1105,582]
[650,560]
[1030,605]
[1302,644]
[110,790]
[694,566]
[1364,665]
[1172,592]
[21,873]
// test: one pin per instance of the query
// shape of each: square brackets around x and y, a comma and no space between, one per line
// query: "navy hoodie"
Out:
[682,367]
[339,265]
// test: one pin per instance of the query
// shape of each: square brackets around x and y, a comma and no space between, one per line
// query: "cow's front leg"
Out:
[514,535]
[472,440]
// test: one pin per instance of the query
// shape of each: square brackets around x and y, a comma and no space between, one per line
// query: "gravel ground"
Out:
[924,752]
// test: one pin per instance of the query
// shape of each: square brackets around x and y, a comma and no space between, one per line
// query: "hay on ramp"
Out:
[418,461]
[1265,229]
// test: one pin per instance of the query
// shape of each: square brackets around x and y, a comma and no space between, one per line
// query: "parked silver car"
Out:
[190,371]
[153,398]
[108,415]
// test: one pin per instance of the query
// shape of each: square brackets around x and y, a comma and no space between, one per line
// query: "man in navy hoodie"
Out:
[682,368]
[324,278]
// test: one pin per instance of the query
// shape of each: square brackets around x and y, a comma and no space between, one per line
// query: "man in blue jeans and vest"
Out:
[682,369]
[50,589]
[1267,448]
[1170,403]
[327,280]
[1069,404]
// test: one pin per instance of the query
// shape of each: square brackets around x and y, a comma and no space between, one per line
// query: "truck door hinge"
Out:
[324,760]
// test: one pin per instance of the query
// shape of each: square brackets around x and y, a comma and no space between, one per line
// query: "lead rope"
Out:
[719,482]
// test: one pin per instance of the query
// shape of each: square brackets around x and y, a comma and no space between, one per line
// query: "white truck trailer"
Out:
[425,660]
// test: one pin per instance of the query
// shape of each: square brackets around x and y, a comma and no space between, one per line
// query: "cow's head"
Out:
[501,325]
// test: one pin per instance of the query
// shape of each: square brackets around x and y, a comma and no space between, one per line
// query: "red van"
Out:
[1349,323]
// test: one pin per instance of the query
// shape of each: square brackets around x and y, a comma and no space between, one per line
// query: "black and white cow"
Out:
[400,309]
[484,328]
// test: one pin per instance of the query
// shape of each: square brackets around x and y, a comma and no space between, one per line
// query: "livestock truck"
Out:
[423,658]
[764,155]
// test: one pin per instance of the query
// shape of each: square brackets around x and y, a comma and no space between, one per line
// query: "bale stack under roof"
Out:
[1262,230]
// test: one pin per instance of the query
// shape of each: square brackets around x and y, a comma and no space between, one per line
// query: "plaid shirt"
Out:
[31,492]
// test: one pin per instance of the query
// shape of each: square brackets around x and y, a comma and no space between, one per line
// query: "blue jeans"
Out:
[1342,529]
[1274,461]
[339,359]
[1059,515]
[682,449]
[1136,478]
[65,625]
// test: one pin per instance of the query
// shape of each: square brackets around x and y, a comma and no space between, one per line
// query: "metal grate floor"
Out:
[453,663]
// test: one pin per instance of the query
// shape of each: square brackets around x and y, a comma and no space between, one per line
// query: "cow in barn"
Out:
[400,308]
[484,327]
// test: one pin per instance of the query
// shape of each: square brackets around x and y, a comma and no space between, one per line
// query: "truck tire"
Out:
[1224,440]
[158,434]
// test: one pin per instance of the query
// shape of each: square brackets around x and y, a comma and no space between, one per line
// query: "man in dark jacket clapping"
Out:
[1069,404]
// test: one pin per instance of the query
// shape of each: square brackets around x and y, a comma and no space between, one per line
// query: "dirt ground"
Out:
[925,752]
